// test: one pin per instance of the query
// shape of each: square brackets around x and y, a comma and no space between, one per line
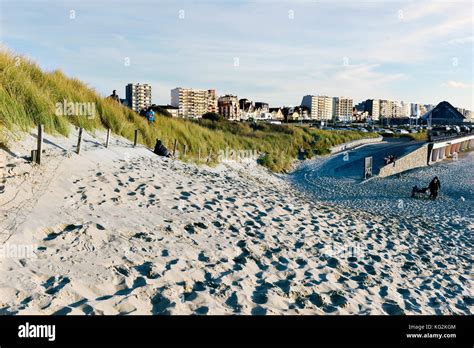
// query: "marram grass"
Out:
[29,96]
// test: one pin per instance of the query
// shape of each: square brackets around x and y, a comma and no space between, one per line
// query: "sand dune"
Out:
[122,231]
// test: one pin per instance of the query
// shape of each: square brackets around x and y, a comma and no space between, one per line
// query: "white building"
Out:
[321,107]
[193,102]
[342,109]
[138,96]
[414,110]
[386,108]
[173,110]
[405,109]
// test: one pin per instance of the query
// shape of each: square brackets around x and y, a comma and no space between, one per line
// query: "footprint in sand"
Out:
[202,310]
[202,257]
[63,311]
[260,294]
[160,304]
[333,262]
[383,291]
[137,283]
[337,299]
[142,235]
[146,270]
[301,262]
[68,228]
[258,311]
[392,308]
[404,292]
[233,303]
[54,284]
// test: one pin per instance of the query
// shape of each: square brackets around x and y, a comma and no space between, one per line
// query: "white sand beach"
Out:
[123,231]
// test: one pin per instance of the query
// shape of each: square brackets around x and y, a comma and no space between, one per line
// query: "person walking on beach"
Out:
[434,186]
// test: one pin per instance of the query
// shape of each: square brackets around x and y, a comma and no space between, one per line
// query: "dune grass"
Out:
[29,96]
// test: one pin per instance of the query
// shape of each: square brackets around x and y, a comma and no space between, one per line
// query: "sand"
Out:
[123,231]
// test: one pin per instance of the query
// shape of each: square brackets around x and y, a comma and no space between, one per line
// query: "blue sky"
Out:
[416,51]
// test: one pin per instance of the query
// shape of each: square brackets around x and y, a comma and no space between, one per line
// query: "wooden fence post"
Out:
[33,155]
[79,141]
[174,147]
[135,140]
[210,155]
[108,138]
[39,147]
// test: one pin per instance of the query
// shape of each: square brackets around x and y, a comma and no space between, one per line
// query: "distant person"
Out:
[150,116]
[114,96]
[434,186]
[389,159]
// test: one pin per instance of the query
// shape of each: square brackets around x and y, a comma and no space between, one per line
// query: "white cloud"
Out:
[458,84]
[433,32]
[421,9]
[366,73]
[461,40]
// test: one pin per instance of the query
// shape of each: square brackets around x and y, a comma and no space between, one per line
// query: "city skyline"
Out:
[275,54]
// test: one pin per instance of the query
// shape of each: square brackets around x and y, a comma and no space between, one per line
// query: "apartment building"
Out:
[193,102]
[138,96]
[211,100]
[405,109]
[321,107]
[414,110]
[386,108]
[469,115]
[228,106]
[372,106]
[342,109]
[396,109]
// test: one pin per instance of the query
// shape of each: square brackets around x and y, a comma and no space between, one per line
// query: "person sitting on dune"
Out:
[161,150]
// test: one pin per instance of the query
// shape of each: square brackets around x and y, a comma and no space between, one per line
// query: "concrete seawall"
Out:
[352,144]
[428,154]
[415,159]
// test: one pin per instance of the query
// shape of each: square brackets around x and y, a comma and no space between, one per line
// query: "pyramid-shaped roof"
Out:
[444,113]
